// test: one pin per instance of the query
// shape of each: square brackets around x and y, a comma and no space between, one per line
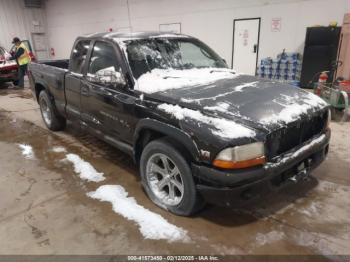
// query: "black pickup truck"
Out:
[199,131]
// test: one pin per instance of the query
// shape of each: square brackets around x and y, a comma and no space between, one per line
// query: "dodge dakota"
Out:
[198,131]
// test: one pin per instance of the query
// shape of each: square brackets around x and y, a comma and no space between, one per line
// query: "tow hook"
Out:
[302,174]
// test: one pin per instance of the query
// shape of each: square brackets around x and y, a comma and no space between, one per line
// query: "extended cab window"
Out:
[79,56]
[103,57]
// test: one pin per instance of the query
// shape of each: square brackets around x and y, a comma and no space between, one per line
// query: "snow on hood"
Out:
[293,108]
[151,225]
[221,127]
[160,80]
[259,103]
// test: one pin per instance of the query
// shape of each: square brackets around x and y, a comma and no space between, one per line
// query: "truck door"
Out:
[73,79]
[105,107]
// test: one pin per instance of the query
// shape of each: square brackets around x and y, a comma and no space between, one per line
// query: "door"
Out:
[245,45]
[73,79]
[105,107]
[40,46]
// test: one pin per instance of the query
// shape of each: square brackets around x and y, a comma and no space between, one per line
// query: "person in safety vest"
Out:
[23,59]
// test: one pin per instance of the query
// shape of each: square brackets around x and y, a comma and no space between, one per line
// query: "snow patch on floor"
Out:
[312,211]
[27,151]
[273,236]
[160,80]
[223,127]
[59,149]
[84,169]
[151,225]
[321,244]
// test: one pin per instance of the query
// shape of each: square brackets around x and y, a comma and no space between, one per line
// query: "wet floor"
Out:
[44,208]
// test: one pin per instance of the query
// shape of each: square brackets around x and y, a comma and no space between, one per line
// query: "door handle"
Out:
[85,90]
[255,48]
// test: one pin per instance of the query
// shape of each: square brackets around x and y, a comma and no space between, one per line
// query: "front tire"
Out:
[51,118]
[167,179]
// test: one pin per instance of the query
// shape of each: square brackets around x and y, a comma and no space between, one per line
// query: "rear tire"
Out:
[167,179]
[51,118]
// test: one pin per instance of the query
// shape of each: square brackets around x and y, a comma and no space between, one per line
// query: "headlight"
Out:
[241,156]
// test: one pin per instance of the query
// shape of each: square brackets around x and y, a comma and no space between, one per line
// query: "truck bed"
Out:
[62,63]
[51,73]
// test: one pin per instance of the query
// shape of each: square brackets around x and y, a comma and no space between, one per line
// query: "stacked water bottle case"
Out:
[286,67]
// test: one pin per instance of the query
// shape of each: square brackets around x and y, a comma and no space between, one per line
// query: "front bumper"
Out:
[238,187]
[8,75]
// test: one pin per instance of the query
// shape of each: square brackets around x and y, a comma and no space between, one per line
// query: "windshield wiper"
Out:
[215,70]
[166,77]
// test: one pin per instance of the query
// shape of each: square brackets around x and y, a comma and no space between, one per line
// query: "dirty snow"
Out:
[151,225]
[223,127]
[59,149]
[27,151]
[84,169]
[300,151]
[292,109]
[160,80]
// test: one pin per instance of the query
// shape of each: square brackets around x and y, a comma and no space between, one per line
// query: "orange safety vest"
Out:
[24,58]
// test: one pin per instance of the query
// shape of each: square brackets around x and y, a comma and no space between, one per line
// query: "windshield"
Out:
[144,55]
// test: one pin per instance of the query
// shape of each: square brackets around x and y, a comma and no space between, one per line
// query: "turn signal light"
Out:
[239,164]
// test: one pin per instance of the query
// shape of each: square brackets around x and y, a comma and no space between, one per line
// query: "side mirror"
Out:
[108,76]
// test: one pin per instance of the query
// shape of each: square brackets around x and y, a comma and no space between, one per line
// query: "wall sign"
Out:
[276,24]
[170,28]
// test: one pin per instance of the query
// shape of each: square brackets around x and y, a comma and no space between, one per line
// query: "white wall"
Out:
[210,21]
[16,20]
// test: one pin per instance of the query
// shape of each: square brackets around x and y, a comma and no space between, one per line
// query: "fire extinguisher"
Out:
[321,80]
[52,51]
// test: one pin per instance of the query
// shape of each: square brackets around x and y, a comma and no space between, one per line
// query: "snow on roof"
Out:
[221,127]
[151,225]
[165,79]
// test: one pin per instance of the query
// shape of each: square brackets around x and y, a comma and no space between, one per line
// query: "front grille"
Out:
[286,138]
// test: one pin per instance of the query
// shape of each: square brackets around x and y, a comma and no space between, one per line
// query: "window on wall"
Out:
[79,56]
[103,57]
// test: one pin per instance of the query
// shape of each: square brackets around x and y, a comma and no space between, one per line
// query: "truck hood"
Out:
[246,99]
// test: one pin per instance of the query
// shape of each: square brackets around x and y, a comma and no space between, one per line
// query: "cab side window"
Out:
[79,56]
[103,57]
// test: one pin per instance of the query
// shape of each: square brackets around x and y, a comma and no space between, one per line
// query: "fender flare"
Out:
[173,132]
[44,85]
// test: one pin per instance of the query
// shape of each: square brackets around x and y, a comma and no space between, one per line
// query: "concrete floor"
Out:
[44,208]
